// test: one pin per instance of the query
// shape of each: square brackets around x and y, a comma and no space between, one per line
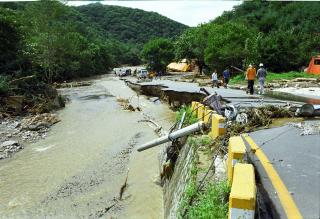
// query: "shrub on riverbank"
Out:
[4,85]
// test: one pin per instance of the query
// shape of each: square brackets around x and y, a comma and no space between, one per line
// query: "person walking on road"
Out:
[214,78]
[250,76]
[261,75]
[226,77]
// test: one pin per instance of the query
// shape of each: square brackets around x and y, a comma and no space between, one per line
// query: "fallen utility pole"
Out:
[172,136]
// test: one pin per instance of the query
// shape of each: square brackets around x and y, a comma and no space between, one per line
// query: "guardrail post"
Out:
[194,108]
[218,125]
[207,114]
[200,111]
[242,199]
[236,152]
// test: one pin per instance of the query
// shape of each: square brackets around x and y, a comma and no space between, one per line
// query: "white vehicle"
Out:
[142,73]
[123,72]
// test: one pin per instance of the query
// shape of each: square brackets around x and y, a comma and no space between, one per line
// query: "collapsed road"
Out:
[87,166]
[293,153]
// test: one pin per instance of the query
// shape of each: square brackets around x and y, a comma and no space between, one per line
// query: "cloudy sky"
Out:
[189,12]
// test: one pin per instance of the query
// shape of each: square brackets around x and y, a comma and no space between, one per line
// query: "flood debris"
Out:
[126,105]
[307,128]
[72,84]
[37,122]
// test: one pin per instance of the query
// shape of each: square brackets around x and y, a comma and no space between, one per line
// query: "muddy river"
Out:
[78,170]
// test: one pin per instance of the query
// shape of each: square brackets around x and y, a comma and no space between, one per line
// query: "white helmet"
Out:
[260,65]
[250,66]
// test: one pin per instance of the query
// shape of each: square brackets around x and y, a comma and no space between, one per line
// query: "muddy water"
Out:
[78,170]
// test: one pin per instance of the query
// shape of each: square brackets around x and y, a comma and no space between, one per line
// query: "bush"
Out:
[189,119]
[4,85]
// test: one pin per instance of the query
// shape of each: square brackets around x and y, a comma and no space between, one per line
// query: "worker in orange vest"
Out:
[250,76]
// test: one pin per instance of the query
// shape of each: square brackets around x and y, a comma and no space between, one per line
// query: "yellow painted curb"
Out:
[285,198]
[236,152]
[207,114]
[200,111]
[242,199]
[217,126]
[194,108]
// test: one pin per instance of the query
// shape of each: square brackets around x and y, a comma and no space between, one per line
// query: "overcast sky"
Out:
[190,12]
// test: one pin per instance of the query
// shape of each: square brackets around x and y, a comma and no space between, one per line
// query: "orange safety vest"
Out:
[251,73]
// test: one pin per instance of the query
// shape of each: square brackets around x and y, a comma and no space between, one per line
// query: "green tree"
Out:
[192,44]
[45,29]
[231,44]
[11,41]
[158,53]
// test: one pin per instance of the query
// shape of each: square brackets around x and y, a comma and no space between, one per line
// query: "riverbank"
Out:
[78,170]
[16,132]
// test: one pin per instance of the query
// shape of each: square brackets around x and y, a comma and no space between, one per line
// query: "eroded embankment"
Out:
[173,98]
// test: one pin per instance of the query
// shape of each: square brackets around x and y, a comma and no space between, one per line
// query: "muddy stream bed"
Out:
[78,170]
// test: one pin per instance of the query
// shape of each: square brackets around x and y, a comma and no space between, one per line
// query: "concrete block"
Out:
[236,153]
[242,199]
[217,126]
[194,107]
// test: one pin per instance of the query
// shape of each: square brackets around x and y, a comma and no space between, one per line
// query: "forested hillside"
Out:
[130,25]
[57,42]
[282,35]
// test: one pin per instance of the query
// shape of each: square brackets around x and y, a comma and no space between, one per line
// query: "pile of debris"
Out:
[125,105]
[72,84]
[37,122]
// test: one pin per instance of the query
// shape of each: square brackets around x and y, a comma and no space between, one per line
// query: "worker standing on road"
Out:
[214,78]
[250,76]
[261,75]
[226,77]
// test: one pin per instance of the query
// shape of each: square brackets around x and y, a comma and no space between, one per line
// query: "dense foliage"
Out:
[56,42]
[130,25]
[282,35]
[158,53]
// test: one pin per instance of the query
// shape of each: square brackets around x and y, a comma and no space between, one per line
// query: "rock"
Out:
[8,143]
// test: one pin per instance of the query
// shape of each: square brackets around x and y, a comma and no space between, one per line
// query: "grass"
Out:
[211,203]
[189,119]
[201,140]
[271,76]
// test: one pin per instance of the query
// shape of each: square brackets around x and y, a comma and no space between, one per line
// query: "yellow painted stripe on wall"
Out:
[286,199]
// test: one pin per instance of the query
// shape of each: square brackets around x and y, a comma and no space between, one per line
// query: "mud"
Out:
[77,171]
